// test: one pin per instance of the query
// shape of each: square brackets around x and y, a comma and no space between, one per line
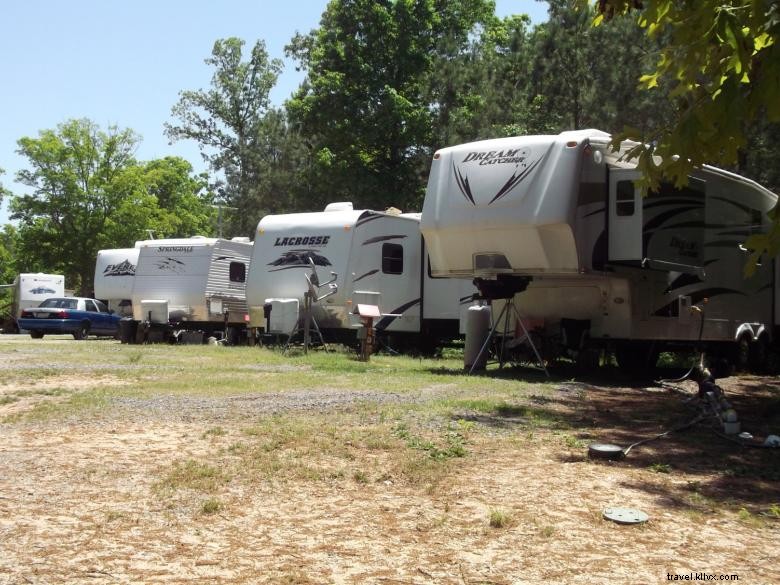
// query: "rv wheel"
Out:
[636,358]
[588,359]
[757,355]
[740,354]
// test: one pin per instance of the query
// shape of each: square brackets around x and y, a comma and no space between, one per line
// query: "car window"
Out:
[90,306]
[60,303]
[101,306]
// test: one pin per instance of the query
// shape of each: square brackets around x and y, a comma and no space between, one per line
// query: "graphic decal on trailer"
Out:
[171,265]
[382,239]
[518,157]
[299,258]
[367,274]
[124,268]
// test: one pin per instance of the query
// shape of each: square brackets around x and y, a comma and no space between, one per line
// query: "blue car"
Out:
[78,316]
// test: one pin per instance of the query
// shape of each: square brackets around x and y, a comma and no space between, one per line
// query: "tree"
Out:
[3,190]
[365,106]
[162,196]
[586,77]
[7,267]
[89,193]
[721,66]
[227,121]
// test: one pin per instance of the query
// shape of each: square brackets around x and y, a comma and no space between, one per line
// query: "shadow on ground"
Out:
[706,469]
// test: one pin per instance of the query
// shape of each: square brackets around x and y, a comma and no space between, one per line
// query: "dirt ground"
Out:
[78,502]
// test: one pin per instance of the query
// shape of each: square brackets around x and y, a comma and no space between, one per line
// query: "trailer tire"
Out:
[636,358]
[757,355]
[740,354]
[82,332]
[36,334]
[589,359]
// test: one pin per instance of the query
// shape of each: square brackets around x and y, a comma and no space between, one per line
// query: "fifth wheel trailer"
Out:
[558,225]
[114,275]
[378,260]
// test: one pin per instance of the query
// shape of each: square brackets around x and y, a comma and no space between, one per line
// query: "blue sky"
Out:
[124,63]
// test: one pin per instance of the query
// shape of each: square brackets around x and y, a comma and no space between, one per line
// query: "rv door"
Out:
[625,216]
[662,231]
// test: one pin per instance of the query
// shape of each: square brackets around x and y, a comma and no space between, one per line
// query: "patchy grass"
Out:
[211,506]
[187,472]
[192,475]
[498,518]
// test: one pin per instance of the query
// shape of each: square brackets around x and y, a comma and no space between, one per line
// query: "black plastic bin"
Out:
[128,329]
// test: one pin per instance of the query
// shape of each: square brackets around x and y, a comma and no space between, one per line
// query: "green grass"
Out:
[498,518]
[211,506]
[148,371]
[192,475]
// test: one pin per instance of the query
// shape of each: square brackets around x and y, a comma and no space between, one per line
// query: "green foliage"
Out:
[89,193]
[3,190]
[720,64]
[366,103]
[8,237]
[454,442]
[585,77]
[498,518]
[236,131]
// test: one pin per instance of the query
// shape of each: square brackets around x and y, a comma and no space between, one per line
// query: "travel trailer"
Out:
[29,290]
[114,274]
[192,284]
[557,225]
[373,258]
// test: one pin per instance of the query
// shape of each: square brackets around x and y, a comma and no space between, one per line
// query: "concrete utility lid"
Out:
[625,515]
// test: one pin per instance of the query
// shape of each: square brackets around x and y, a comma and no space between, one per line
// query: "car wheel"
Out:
[36,334]
[82,331]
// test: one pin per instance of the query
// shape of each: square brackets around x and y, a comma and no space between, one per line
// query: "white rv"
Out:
[193,283]
[114,274]
[557,224]
[377,259]
[29,290]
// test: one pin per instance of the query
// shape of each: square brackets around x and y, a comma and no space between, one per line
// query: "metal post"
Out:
[306,322]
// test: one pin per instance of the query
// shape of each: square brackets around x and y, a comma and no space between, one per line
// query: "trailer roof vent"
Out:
[239,239]
[339,206]
[492,261]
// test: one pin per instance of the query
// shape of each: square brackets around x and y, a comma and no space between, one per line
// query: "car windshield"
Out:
[60,303]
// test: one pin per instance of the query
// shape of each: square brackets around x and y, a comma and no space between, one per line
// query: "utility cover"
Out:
[625,515]
[367,311]
[605,451]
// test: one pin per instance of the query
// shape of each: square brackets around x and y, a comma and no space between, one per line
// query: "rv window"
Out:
[237,272]
[392,258]
[624,200]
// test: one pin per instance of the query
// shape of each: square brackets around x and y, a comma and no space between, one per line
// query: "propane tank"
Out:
[477,331]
